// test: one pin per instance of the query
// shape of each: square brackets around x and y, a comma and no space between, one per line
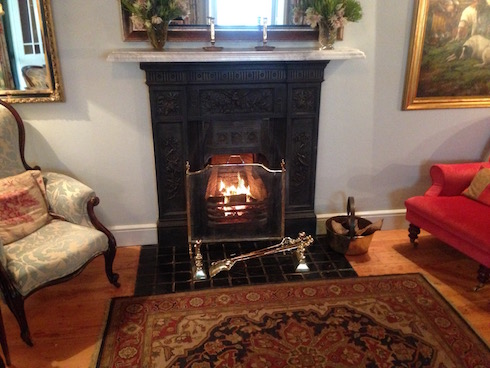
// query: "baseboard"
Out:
[126,235]
[392,219]
[145,234]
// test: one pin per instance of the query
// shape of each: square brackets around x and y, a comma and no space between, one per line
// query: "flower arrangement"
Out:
[154,16]
[335,12]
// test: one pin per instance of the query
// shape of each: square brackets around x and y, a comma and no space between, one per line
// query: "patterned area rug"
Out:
[379,321]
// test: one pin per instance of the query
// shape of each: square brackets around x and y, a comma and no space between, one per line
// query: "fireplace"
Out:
[235,199]
[263,113]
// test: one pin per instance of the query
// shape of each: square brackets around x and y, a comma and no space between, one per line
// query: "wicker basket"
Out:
[349,244]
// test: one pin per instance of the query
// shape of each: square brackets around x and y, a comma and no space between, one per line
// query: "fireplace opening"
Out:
[233,198]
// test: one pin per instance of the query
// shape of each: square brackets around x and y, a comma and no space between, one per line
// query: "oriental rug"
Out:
[377,321]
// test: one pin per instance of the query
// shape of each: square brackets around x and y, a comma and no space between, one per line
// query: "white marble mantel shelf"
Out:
[229,54]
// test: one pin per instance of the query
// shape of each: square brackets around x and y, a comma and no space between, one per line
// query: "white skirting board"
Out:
[146,234]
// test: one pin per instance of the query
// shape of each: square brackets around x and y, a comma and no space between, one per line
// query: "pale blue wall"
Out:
[368,147]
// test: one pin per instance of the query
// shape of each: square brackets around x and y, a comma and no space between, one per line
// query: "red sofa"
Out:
[457,220]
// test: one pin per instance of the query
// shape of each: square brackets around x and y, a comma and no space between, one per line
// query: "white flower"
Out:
[312,17]
[138,22]
[156,20]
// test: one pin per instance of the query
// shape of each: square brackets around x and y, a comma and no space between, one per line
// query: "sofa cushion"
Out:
[23,205]
[479,188]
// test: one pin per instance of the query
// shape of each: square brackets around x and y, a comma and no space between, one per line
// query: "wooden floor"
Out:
[66,320]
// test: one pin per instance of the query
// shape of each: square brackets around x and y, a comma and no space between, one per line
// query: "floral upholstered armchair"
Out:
[48,228]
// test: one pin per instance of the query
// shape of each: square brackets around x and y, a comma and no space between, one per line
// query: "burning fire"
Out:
[231,190]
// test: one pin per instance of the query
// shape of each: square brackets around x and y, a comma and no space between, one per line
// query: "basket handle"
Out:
[351,214]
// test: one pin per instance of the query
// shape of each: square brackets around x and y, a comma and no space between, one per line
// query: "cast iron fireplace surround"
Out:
[267,109]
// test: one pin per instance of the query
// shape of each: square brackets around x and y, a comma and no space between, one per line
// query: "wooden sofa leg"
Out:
[413,233]
[483,277]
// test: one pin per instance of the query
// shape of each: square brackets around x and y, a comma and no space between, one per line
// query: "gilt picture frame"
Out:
[443,72]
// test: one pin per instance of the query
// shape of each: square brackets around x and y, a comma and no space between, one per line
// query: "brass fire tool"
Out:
[196,261]
[287,244]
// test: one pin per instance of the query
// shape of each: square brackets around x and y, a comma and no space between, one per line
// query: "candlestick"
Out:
[213,37]
[264,32]
[213,33]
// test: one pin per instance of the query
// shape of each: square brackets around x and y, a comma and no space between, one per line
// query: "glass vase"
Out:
[157,35]
[327,35]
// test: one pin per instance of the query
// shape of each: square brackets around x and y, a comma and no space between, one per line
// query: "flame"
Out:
[229,190]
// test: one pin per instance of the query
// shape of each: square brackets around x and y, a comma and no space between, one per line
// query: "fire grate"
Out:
[235,202]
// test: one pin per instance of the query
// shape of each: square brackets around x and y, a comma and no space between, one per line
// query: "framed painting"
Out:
[449,57]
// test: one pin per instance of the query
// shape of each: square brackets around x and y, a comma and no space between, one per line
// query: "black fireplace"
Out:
[266,111]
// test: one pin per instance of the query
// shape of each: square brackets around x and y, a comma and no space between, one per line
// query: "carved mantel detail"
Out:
[201,109]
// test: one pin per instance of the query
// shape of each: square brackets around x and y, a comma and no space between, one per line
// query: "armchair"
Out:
[58,246]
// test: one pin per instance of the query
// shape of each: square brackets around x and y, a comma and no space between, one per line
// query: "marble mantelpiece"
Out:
[179,55]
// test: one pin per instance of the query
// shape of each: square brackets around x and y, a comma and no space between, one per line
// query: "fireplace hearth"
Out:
[265,110]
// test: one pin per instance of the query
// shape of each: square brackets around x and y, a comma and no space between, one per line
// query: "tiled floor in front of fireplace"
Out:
[169,270]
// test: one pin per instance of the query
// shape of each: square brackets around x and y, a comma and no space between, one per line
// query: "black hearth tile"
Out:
[258,279]
[182,267]
[221,275]
[182,286]
[288,268]
[164,277]
[318,257]
[223,282]
[254,262]
[276,277]
[157,269]
[164,288]
[237,272]
[141,290]
[331,275]
[312,275]
[165,252]
[202,284]
[341,264]
[182,276]
[326,266]
[269,260]
[147,268]
[145,280]
[148,253]
[348,273]
[294,277]
[255,271]
[237,281]
[181,257]
[249,247]
[273,269]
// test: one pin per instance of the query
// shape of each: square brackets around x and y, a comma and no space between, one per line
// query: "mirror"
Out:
[234,19]
[29,66]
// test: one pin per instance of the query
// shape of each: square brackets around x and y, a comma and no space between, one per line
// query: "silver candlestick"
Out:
[213,37]
[264,46]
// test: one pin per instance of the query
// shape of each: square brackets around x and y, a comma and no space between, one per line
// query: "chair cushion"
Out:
[479,188]
[56,250]
[23,205]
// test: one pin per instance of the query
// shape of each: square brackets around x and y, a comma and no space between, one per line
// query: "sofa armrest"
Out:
[68,198]
[452,179]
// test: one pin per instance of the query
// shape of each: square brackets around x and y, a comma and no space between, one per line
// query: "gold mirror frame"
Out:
[56,92]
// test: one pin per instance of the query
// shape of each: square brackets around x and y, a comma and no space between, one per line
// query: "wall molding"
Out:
[145,234]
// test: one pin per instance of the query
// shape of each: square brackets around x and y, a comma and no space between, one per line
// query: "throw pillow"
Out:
[479,188]
[23,205]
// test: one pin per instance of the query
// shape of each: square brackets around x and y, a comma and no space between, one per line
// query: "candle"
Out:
[265,31]
[213,35]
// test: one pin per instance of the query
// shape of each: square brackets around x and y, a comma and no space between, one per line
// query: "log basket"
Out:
[350,243]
